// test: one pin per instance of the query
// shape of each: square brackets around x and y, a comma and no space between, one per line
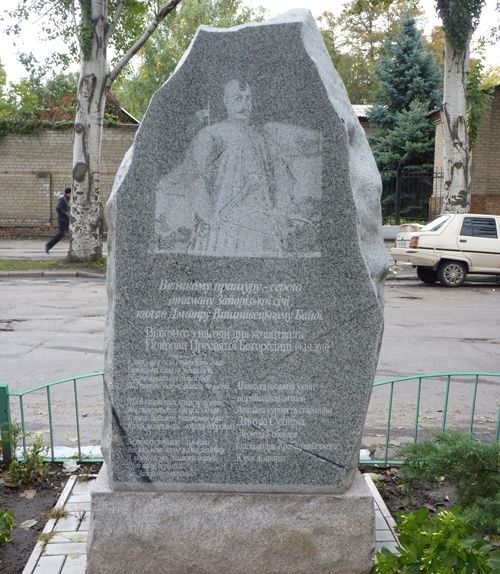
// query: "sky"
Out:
[29,40]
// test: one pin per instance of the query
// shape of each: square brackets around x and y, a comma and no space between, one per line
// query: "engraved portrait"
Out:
[243,189]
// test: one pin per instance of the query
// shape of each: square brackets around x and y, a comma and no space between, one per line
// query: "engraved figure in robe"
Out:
[239,190]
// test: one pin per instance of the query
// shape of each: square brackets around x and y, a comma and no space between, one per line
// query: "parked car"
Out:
[452,246]
[406,232]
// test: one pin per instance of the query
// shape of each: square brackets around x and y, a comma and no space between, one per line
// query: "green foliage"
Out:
[484,515]
[21,126]
[56,19]
[409,87]
[71,21]
[58,512]
[7,525]
[3,76]
[360,7]
[367,25]
[5,107]
[33,264]
[460,19]
[85,32]
[441,544]
[407,71]
[357,74]
[31,468]
[480,90]
[355,40]
[435,44]
[36,99]
[409,143]
[160,55]
[471,466]
[45,538]
[27,264]
[130,26]
[99,263]
[40,101]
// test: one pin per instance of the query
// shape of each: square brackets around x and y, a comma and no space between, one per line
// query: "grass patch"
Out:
[99,264]
[45,538]
[8,265]
[58,512]
[28,264]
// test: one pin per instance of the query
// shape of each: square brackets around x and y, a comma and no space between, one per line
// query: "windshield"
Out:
[436,224]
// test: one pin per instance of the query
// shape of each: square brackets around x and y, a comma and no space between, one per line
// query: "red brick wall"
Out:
[489,204]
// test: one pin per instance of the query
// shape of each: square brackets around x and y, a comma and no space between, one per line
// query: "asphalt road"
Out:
[53,328]
[430,329]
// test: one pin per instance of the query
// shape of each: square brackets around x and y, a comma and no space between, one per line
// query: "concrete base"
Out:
[230,533]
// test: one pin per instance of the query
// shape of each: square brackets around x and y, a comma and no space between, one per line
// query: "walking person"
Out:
[63,210]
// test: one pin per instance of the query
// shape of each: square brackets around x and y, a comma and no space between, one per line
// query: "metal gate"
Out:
[407,195]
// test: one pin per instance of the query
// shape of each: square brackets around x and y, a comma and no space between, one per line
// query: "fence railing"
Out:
[15,400]
[410,195]
[443,395]
[465,401]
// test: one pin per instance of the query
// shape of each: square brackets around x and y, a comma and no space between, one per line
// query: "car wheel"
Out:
[452,273]
[427,274]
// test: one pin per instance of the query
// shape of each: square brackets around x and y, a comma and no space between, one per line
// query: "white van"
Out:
[451,246]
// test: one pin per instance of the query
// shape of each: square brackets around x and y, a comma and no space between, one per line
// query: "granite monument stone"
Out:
[245,307]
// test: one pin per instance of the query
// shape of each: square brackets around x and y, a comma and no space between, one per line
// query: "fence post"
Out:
[5,423]
[397,204]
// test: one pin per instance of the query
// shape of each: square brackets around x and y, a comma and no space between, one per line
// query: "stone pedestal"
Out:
[230,533]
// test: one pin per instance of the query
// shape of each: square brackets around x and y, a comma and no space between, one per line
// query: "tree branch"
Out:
[116,17]
[49,10]
[160,16]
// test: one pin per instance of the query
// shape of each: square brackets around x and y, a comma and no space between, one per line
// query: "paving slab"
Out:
[66,551]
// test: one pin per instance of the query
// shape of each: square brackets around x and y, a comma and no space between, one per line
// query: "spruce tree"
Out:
[407,71]
[409,80]
[409,143]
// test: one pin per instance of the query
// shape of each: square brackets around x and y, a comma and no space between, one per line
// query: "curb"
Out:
[53,274]
[400,278]
[91,275]
[49,527]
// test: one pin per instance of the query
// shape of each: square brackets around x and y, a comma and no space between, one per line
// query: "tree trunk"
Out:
[86,210]
[456,155]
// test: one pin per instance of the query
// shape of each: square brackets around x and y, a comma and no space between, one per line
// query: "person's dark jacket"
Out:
[63,210]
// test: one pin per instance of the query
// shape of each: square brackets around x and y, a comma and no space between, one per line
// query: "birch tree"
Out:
[91,28]
[460,18]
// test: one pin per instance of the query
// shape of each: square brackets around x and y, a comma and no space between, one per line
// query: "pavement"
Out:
[31,249]
[53,327]
[65,553]
[35,249]
[68,330]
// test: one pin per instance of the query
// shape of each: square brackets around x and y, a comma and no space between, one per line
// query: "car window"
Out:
[479,227]
[436,224]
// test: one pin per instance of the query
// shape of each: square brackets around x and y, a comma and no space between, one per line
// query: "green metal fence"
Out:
[13,400]
[392,400]
[465,401]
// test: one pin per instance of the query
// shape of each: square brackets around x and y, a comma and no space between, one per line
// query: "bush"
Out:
[31,468]
[472,467]
[441,544]
[7,525]
[484,515]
